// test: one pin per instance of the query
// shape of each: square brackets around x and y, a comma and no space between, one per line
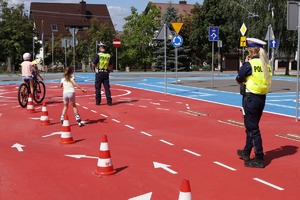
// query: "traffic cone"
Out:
[185,191]
[104,165]
[66,137]
[44,117]
[30,106]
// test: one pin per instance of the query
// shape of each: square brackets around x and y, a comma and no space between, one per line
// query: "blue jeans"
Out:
[102,78]
[253,107]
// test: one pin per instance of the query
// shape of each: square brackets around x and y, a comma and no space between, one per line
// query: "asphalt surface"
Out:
[222,81]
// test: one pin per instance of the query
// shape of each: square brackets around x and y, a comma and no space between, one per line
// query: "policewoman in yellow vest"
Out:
[102,64]
[254,78]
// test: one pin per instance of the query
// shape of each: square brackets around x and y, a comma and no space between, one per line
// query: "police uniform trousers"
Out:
[253,106]
[102,78]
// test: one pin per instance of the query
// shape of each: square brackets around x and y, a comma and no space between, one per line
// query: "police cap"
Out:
[101,45]
[254,42]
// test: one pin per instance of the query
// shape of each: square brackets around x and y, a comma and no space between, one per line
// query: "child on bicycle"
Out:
[35,75]
[68,84]
[27,70]
[35,71]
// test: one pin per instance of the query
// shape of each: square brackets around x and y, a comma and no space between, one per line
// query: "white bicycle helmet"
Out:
[26,56]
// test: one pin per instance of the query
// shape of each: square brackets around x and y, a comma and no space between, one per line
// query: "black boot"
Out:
[242,155]
[255,163]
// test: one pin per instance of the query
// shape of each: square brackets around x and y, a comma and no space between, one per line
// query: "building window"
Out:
[54,27]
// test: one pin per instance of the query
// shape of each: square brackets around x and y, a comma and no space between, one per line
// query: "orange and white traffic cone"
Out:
[44,117]
[30,106]
[185,191]
[66,137]
[104,165]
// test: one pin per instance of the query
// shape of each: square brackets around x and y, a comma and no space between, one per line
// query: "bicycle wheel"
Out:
[39,92]
[23,93]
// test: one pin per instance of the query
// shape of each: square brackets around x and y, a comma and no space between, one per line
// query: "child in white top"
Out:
[27,70]
[68,84]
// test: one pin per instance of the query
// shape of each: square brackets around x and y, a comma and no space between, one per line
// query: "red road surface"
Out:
[197,140]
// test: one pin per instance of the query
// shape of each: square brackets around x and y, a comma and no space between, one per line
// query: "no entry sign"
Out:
[117,42]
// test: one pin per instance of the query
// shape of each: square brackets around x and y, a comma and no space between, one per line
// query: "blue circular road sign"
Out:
[177,40]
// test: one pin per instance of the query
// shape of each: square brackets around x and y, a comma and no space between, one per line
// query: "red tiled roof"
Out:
[67,15]
[182,8]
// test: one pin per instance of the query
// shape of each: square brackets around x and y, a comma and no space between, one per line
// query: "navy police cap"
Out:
[254,42]
[101,45]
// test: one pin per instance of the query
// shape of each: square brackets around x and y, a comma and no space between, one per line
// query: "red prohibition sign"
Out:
[117,42]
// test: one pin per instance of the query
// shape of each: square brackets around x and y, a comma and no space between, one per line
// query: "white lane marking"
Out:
[163,100]
[162,109]
[146,99]
[146,133]
[129,126]
[191,152]
[94,111]
[85,107]
[267,183]
[187,106]
[281,100]
[104,115]
[54,133]
[279,105]
[166,142]
[221,164]
[143,106]
[157,104]
[116,120]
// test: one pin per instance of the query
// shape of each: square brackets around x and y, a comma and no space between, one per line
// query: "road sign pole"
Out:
[116,61]
[243,56]
[65,41]
[165,49]
[117,44]
[298,59]
[74,50]
[212,64]
[176,64]
[272,61]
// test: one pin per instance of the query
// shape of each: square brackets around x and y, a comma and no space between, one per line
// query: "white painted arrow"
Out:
[81,156]
[163,166]
[18,146]
[273,43]
[142,197]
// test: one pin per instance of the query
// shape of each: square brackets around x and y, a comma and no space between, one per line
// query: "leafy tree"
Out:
[96,34]
[16,33]
[137,39]
[183,59]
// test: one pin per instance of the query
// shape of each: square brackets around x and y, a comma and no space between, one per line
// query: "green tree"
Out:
[16,33]
[96,34]
[183,59]
[136,49]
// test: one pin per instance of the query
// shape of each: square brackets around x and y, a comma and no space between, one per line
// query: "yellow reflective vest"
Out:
[256,83]
[104,59]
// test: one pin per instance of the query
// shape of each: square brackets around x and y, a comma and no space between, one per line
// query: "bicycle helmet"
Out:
[34,62]
[26,56]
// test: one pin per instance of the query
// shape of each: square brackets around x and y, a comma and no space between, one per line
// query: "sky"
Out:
[118,9]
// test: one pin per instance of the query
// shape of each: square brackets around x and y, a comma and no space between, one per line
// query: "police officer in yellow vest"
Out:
[102,64]
[254,78]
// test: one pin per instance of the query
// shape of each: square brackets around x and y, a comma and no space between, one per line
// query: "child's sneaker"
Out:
[78,120]
[62,119]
